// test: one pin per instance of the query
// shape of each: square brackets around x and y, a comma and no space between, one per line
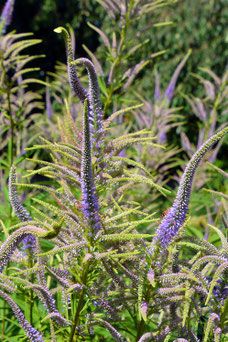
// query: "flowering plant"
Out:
[97,264]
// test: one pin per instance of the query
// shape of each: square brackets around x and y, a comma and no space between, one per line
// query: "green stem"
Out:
[11,128]
[3,320]
[109,99]
[224,313]
[80,304]
[140,329]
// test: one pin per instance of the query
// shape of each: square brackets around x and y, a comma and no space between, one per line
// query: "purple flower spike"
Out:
[90,203]
[20,211]
[7,13]
[177,214]
[157,92]
[49,109]
[13,241]
[76,86]
[32,333]
[171,87]
[94,104]
[92,95]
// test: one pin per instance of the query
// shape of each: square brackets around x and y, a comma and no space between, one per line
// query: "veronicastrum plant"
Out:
[88,272]
[122,47]
[159,117]
[19,104]
[210,111]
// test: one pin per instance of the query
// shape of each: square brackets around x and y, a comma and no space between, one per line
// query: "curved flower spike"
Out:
[12,242]
[172,84]
[6,15]
[90,203]
[55,316]
[217,334]
[49,302]
[115,334]
[20,211]
[95,109]
[78,89]
[93,95]
[33,334]
[176,215]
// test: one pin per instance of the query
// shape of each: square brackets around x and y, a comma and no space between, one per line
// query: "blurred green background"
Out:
[200,25]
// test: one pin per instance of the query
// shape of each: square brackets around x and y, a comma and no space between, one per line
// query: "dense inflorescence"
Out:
[20,211]
[177,214]
[92,95]
[32,333]
[94,105]
[14,240]
[89,197]
[76,86]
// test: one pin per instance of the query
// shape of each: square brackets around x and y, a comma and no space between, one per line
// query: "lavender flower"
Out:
[157,91]
[33,334]
[172,84]
[151,277]
[220,292]
[12,242]
[115,334]
[6,15]
[20,211]
[90,203]
[29,241]
[92,96]
[94,104]
[176,215]
[48,301]
[162,137]
[217,334]
[144,309]
[76,86]
[146,337]
[49,109]
[212,321]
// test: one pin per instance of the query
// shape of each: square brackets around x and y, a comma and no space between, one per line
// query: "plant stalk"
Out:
[80,304]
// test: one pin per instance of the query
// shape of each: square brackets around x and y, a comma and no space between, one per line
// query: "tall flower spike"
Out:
[93,96]
[176,215]
[33,334]
[172,84]
[90,203]
[6,15]
[78,89]
[95,109]
[20,211]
